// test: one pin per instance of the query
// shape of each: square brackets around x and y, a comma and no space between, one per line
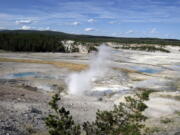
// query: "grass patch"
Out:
[175,97]
[146,48]
[153,130]
[137,79]
[60,64]
[166,121]
[29,128]
[41,133]
[68,65]
[177,112]
[147,89]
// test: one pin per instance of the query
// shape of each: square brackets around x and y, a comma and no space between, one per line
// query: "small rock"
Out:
[22,95]
[177,133]
[35,110]
[100,99]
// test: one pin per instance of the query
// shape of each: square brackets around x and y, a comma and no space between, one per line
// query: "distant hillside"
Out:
[51,41]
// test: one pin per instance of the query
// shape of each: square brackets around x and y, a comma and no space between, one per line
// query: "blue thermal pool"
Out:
[32,74]
[146,70]
[20,75]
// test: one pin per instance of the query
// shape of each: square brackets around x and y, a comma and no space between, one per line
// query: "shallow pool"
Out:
[32,74]
[20,75]
[147,70]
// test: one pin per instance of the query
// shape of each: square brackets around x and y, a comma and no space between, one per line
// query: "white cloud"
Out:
[24,27]
[153,31]
[91,20]
[130,32]
[47,28]
[25,21]
[76,23]
[112,22]
[89,29]
[168,36]
[42,28]
[5,16]
[115,34]
[2,28]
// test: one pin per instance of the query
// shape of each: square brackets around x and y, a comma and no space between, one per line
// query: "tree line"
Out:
[50,41]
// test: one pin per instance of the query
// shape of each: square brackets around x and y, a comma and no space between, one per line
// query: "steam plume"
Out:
[81,82]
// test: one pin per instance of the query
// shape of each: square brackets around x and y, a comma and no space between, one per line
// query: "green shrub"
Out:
[61,123]
[125,119]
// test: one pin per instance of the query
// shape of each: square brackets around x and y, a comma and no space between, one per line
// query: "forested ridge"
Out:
[50,41]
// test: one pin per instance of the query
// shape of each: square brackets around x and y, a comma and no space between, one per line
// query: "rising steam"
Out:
[81,82]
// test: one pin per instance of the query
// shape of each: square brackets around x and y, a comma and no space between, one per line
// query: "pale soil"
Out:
[19,96]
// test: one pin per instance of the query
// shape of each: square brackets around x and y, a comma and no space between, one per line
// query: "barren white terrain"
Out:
[28,80]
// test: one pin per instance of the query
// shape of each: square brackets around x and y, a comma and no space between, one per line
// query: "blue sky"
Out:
[121,18]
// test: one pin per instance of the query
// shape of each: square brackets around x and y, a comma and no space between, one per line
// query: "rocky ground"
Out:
[28,80]
[22,108]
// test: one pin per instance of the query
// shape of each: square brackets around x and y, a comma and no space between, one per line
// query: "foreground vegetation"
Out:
[125,119]
[50,41]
